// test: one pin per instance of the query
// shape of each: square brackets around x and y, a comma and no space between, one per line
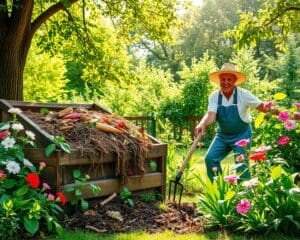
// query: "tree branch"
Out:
[152,51]
[47,14]
[287,9]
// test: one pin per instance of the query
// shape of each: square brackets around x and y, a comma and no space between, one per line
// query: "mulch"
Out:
[144,216]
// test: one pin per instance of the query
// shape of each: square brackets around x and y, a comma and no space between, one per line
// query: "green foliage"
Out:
[81,183]
[125,196]
[26,205]
[148,197]
[275,20]
[44,78]
[153,166]
[60,142]
[246,62]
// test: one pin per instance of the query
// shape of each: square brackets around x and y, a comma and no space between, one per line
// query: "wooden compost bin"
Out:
[60,165]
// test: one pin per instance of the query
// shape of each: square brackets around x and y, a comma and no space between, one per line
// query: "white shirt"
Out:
[245,101]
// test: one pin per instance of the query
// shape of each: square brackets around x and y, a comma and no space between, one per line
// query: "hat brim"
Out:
[241,77]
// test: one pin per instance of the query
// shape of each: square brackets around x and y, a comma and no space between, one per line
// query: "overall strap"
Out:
[235,96]
[220,99]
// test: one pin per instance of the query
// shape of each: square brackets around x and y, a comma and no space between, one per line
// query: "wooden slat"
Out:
[109,186]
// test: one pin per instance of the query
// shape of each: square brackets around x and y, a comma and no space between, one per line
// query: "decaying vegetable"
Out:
[64,112]
[107,128]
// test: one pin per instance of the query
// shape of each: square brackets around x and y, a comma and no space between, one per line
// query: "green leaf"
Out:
[9,183]
[31,225]
[50,149]
[58,228]
[22,191]
[76,173]
[44,111]
[84,205]
[69,189]
[130,202]
[65,147]
[78,193]
[276,172]
[21,203]
[229,195]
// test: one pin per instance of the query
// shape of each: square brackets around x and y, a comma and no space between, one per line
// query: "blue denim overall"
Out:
[231,128]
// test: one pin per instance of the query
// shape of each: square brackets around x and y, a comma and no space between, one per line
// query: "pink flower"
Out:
[51,197]
[283,140]
[243,206]
[242,143]
[2,175]
[263,149]
[283,116]
[268,105]
[240,158]
[42,165]
[297,104]
[4,134]
[46,186]
[231,178]
[290,124]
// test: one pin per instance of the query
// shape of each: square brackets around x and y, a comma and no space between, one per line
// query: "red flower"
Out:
[61,198]
[258,156]
[33,180]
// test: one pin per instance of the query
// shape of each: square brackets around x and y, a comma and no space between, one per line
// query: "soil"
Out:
[144,216]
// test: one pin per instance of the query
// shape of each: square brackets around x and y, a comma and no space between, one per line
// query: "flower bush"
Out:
[282,132]
[27,205]
[268,202]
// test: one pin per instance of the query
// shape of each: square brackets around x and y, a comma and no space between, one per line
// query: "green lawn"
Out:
[220,235]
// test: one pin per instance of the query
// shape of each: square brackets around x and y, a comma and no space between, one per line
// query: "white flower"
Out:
[27,163]
[30,134]
[13,167]
[5,127]
[8,142]
[251,183]
[14,110]
[17,126]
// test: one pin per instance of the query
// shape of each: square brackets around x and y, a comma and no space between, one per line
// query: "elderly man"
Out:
[230,107]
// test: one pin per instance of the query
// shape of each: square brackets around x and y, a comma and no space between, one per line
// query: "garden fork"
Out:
[175,183]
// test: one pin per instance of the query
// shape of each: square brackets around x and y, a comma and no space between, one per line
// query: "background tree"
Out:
[275,20]
[20,19]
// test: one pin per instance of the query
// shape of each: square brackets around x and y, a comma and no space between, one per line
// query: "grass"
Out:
[220,235]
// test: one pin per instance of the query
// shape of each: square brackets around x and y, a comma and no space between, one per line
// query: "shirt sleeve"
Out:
[213,102]
[250,99]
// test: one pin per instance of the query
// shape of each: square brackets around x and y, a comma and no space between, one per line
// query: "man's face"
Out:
[227,82]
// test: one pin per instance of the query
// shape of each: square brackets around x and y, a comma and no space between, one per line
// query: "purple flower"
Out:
[268,105]
[243,206]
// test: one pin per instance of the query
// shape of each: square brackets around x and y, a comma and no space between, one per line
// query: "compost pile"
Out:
[97,134]
[117,217]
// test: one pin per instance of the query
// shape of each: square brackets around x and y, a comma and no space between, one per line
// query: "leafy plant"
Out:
[153,166]
[125,196]
[26,204]
[148,197]
[266,203]
[80,182]
[60,142]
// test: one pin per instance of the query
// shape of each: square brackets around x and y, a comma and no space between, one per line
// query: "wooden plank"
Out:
[157,150]
[109,186]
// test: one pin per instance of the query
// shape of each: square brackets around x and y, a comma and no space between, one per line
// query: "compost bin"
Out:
[126,164]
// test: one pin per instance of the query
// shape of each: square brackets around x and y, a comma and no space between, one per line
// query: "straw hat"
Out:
[228,68]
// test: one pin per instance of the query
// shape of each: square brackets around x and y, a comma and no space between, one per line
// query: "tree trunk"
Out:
[12,64]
